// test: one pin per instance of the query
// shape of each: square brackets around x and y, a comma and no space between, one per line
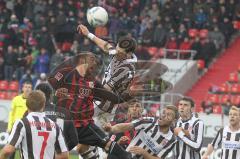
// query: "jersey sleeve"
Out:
[142,123]
[11,115]
[17,134]
[196,142]
[60,145]
[218,139]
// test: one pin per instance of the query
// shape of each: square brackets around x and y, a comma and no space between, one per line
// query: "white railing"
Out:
[178,52]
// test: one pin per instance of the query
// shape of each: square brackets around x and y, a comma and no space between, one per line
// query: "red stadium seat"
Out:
[13,86]
[201,64]
[217,109]
[233,77]
[193,33]
[235,100]
[152,50]
[11,95]
[224,88]
[235,89]
[4,85]
[225,98]
[214,98]
[203,33]
[3,95]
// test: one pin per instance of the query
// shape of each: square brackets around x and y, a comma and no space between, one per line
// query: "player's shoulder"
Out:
[18,97]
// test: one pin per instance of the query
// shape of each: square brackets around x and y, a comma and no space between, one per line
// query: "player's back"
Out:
[41,137]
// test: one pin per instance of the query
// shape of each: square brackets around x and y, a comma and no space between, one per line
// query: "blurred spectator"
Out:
[56,59]
[21,62]
[207,107]
[147,35]
[19,10]
[154,11]
[200,19]
[42,79]
[28,76]
[226,28]
[185,45]
[86,46]
[172,45]
[142,53]
[114,24]
[207,51]
[226,107]
[159,35]
[42,64]
[45,40]
[217,37]
[10,60]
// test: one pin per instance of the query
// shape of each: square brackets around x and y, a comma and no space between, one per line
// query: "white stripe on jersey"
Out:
[229,142]
[119,73]
[189,147]
[37,136]
[150,138]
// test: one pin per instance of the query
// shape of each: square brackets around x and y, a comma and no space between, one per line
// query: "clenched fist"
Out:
[82,29]
[107,127]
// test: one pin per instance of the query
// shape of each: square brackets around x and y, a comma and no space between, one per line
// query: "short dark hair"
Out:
[46,89]
[27,82]
[36,101]
[127,43]
[188,99]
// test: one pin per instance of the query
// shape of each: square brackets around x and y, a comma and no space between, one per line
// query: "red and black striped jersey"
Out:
[79,99]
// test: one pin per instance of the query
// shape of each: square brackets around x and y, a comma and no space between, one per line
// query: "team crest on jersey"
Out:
[91,84]
[58,76]
[190,129]
[165,141]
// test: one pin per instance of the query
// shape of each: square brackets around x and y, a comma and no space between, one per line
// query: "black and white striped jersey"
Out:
[119,74]
[150,138]
[64,120]
[37,136]
[229,141]
[188,147]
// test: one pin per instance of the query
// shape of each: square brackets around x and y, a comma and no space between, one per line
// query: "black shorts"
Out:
[92,135]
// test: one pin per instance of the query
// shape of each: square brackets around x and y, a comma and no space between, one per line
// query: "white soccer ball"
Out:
[97,16]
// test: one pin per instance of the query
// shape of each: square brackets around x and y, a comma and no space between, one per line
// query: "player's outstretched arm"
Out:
[118,128]
[104,45]
[208,152]
[7,151]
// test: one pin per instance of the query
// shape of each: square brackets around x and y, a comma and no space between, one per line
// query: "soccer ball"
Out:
[97,16]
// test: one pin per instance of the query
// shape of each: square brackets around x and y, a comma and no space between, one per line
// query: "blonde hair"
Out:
[235,108]
[174,109]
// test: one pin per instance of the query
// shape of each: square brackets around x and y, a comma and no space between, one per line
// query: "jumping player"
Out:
[75,84]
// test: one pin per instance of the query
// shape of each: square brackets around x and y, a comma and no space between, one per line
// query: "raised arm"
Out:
[118,128]
[214,145]
[104,45]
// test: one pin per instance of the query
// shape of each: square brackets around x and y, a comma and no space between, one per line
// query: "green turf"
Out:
[72,156]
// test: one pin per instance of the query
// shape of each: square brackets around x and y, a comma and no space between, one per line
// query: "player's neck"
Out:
[164,129]
[81,70]
[186,117]
[234,127]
